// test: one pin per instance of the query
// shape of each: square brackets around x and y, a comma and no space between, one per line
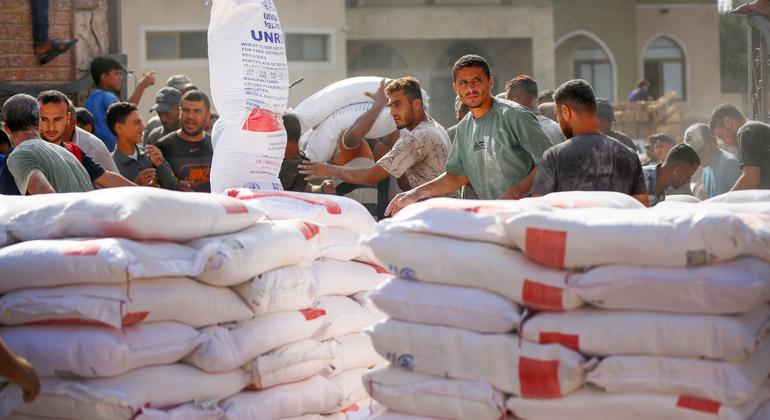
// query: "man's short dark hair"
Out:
[408,84]
[103,64]
[641,83]
[660,138]
[721,112]
[546,96]
[53,97]
[117,113]
[523,83]
[4,139]
[196,96]
[21,112]
[292,126]
[470,60]
[578,94]
[683,154]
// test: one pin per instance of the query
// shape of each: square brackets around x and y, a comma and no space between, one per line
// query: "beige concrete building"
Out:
[610,43]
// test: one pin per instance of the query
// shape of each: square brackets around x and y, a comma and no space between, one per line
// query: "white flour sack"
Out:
[341,244]
[349,382]
[344,316]
[591,404]
[58,262]
[728,383]
[323,141]
[133,213]
[329,210]
[743,196]
[353,351]
[290,288]
[597,332]
[313,395]
[521,368]
[480,265]
[587,199]
[424,395]
[205,410]
[238,257]
[122,397]
[732,287]
[230,346]
[589,237]
[437,304]
[317,107]
[346,278]
[148,300]
[100,352]
[291,363]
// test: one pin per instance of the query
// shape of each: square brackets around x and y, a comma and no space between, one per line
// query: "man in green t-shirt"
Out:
[497,146]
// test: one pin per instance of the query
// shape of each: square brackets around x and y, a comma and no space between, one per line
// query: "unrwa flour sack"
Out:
[133,213]
[148,300]
[74,351]
[353,351]
[230,346]
[192,411]
[520,367]
[291,363]
[732,287]
[350,384]
[322,142]
[238,257]
[589,237]
[741,196]
[591,404]
[122,397]
[341,244]
[289,288]
[346,278]
[59,262]
[311,396]
[451,306]
[249,87]
[477,265]
[435,396]
[344,316]
[329,210]
[729,383]
[587,199]
[597,332]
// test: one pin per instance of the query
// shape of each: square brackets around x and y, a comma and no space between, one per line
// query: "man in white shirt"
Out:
[88,142]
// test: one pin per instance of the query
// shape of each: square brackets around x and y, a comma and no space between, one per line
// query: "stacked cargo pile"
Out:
[647,313]
[640,120]
[143,316]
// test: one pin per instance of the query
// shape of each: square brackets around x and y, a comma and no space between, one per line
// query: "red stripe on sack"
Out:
[83,249]
[231,206]
[546,246]
[571,341]
[377,268]
[70,321]
[311,314]
[352,409]
[332,207]
[698,404]
[539,378]
[542,296]
[133,318]
[308,229]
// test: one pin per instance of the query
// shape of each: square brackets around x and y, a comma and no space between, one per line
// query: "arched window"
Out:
[459,49]
[664,68]
[377,56]
[591,63]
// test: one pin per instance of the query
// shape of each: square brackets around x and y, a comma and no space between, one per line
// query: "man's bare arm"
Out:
[521,189]
[749,179]
[355,134]
[110,179]
[38,184]
[444,184]
[361,176]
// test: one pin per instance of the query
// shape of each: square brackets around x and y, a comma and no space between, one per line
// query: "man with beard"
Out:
[55,125]
[167,107]
[497,146]
[420,153]
[189,149]
[588,160]
[675,171]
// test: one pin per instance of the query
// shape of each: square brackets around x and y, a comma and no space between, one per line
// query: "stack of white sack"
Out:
[99,294]
[306,350]
[249,88]
[334,109]
[676,327]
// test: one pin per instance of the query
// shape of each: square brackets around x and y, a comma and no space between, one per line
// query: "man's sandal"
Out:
[58,47]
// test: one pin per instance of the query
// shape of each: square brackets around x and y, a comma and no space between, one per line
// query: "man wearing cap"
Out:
[720,168]
[167,107]
[179,82]
[605,116]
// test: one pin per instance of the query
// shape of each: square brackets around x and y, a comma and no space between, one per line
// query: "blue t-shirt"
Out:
[7,183]
[98,102]
[720,176]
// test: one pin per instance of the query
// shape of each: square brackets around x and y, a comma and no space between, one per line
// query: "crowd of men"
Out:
[519,143]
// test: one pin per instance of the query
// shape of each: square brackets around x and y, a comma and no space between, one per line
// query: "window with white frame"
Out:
[175,45]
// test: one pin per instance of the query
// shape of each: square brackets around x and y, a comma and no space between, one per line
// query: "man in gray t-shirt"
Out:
[588,160]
